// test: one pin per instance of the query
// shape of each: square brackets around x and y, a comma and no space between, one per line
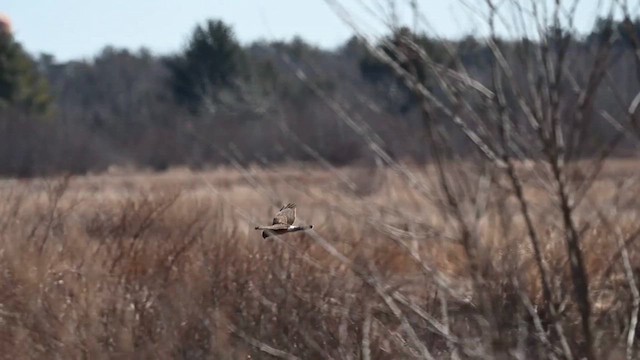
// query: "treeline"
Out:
[217,102]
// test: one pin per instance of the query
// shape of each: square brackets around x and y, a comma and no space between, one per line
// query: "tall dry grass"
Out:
[167,266]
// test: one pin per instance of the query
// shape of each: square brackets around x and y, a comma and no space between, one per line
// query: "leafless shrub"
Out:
[535,107]
[139,273]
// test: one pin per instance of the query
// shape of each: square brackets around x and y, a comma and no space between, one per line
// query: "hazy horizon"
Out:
[72,29]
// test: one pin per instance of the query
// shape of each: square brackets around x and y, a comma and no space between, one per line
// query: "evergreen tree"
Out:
[21,85]
[403,47]
[212,62]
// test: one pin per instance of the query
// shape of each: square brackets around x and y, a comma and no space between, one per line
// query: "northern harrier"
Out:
[283,222]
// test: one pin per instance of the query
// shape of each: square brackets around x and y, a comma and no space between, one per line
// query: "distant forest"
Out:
[218,102]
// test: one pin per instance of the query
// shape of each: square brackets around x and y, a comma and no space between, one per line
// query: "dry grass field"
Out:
[161,266]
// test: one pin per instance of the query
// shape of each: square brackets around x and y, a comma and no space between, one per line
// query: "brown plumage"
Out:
[286,215]
[283,222]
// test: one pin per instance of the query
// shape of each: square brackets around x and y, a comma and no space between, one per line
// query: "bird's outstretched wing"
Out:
[273,230]
[283,222]
[286,215]
[273,227]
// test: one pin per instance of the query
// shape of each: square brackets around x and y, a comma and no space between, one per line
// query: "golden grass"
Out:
[141,265]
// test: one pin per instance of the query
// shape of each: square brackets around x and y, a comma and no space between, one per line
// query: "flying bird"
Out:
[283,222]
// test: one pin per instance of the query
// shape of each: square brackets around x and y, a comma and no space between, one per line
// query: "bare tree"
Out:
[536,108]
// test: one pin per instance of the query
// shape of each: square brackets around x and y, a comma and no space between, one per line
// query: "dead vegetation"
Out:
[524,248]
[166,266]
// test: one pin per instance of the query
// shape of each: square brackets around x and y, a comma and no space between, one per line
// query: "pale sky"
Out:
[72,29]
